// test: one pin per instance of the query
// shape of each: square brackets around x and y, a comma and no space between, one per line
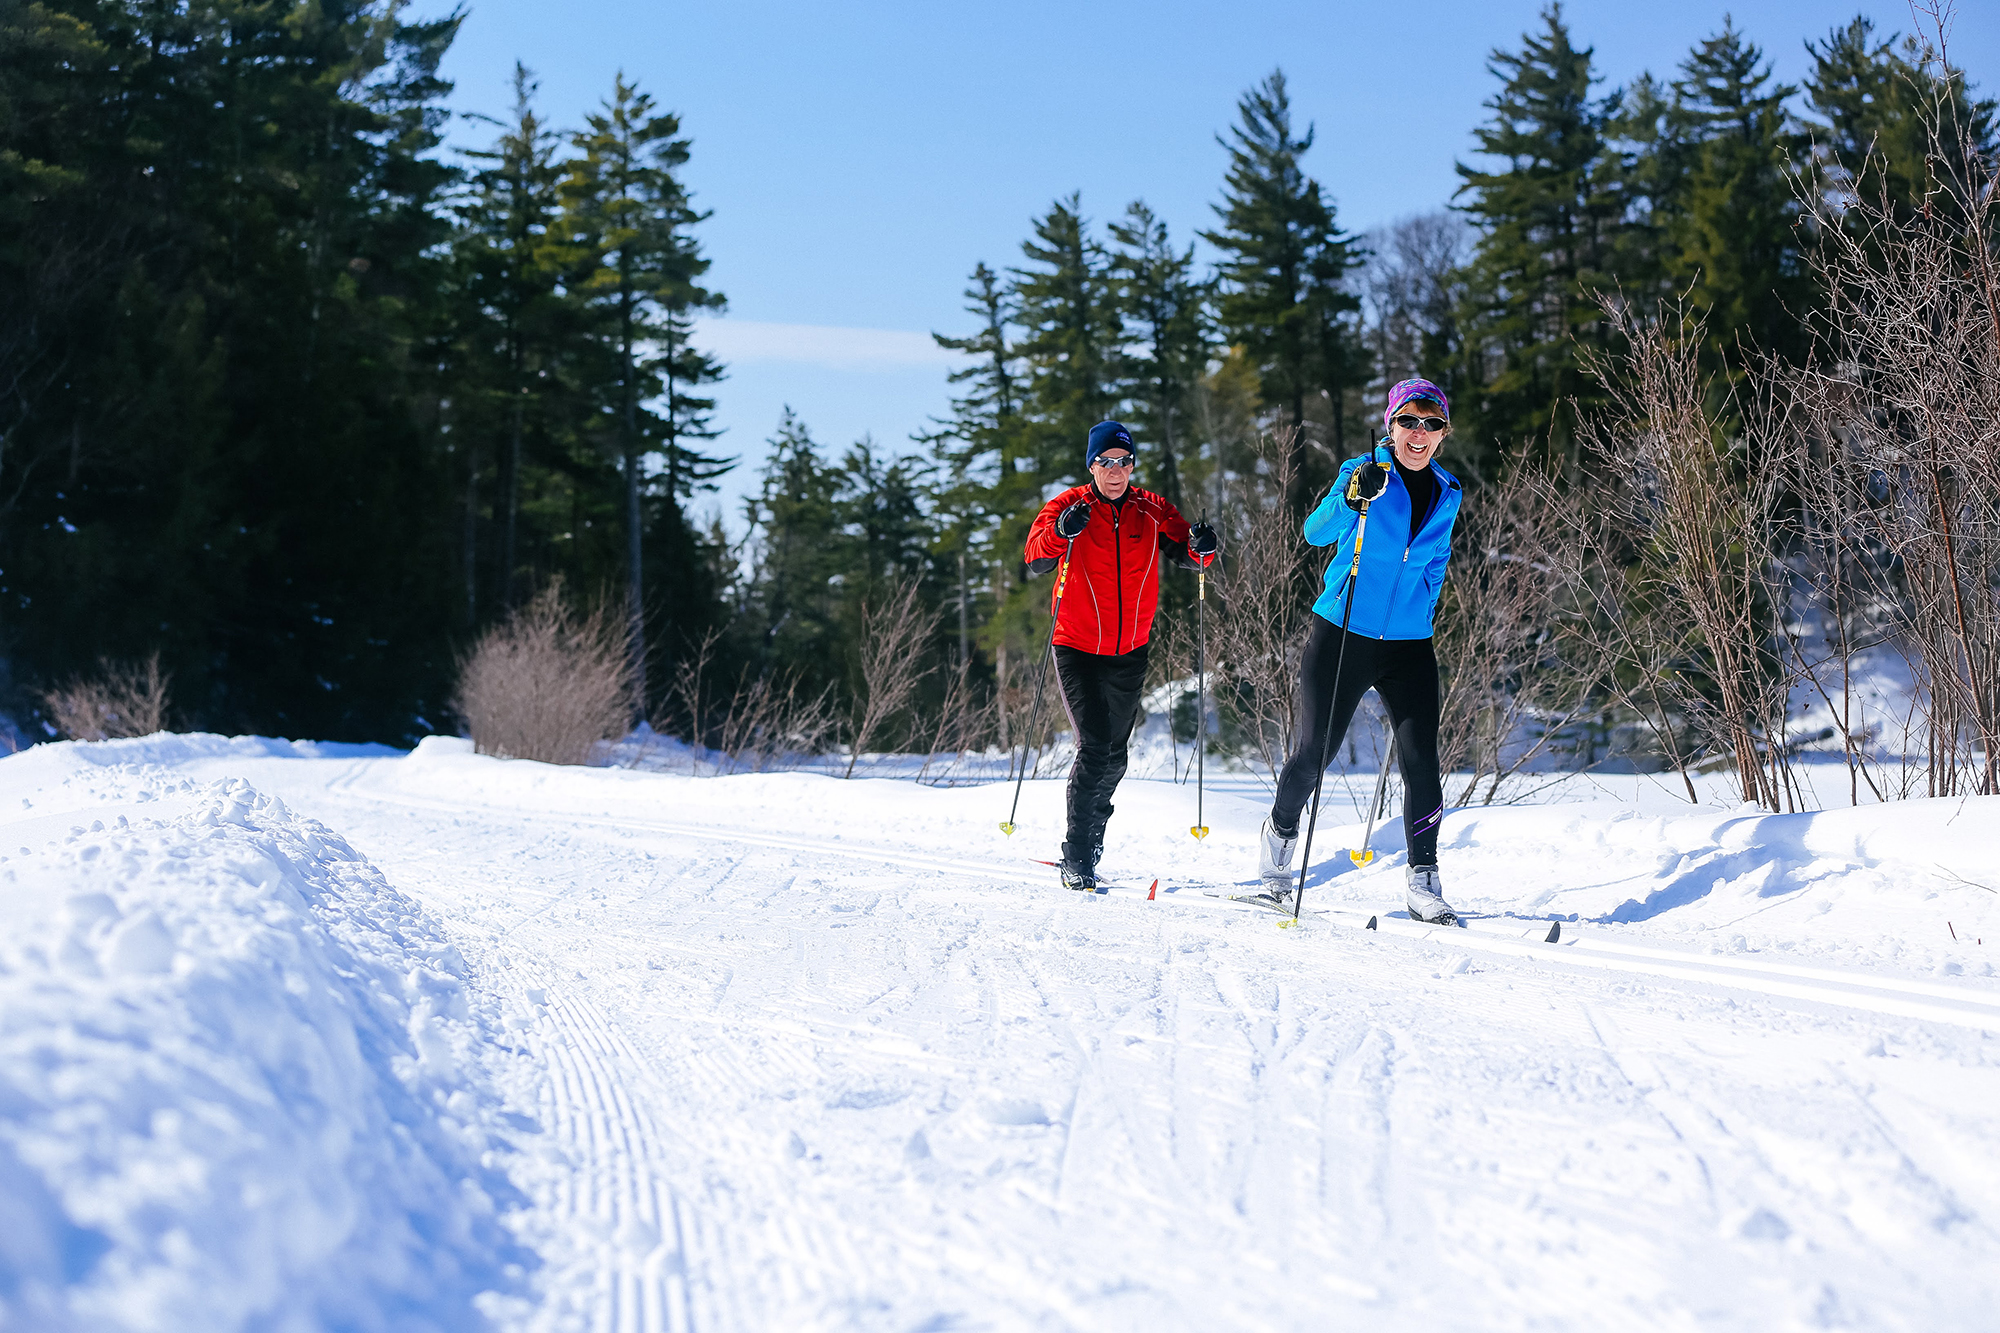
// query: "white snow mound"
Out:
[239,1082]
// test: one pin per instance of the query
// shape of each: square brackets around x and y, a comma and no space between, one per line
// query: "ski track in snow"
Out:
[780,1082]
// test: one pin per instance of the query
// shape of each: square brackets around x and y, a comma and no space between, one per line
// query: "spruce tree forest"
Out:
[304,403]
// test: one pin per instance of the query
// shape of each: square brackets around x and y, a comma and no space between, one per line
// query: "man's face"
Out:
[1112,471]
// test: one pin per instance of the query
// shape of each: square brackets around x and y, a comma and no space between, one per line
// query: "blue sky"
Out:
[859,159]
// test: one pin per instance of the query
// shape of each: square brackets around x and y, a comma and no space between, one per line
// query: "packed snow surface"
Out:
[299,1037]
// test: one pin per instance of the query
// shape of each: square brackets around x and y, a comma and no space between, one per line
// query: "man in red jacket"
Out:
[1112,535]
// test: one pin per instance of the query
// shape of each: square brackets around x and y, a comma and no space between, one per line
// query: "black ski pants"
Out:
[1100,693]
[1404,673]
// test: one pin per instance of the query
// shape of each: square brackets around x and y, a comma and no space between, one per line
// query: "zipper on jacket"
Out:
[1118,574]
[1437,500]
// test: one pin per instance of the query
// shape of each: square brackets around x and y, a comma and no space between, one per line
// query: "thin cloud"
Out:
[743,341]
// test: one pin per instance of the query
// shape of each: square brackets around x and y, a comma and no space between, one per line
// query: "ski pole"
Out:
[1339,660]
[1041,679]
[1200,830]
[1365,855]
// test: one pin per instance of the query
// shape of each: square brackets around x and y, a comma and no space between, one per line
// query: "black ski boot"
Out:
[1078,873]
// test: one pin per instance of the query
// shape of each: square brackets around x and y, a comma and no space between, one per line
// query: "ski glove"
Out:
[1365,483]
[1202,542]
[1070,522]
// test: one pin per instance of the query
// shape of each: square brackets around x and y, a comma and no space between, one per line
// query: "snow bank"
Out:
[240,1082]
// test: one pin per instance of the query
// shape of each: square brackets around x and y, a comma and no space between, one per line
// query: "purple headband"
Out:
[1417,388]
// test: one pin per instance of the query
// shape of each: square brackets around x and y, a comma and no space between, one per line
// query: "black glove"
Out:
[1202,540]
[1071,520]
[1365,483]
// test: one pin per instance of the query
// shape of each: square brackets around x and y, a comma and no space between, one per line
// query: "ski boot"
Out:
[1274,861]
[1423,894]
[1077,873]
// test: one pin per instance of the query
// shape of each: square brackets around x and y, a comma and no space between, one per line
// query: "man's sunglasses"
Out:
[1431,424]
[1121,460]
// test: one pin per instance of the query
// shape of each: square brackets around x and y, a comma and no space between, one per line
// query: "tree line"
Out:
[293,398]
[300,402]
[1713,188]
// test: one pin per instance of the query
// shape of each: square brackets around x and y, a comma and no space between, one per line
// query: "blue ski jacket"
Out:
[1401,576]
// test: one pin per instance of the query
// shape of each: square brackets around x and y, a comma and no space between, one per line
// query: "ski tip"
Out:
[1371,923]
[1555,933]
[1361,858]
[1006,827]
[1200,831]
[1153,893]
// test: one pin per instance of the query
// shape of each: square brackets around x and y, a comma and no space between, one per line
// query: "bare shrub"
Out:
[894,628]
[766,723]
[1508,690]
[124,699]
[1671,561]
[962,724]
[1262,604]
[548,684]
[1842,566]
[1896,428]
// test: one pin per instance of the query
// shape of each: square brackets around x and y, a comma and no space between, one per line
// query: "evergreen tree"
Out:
[1732,230]
[1283,295]
[1065,304]
[1551,221]
[880,510]
[1653,170]
[978,440]
[1165,311]
[223,225]
[515,257]
[1880,103]
[798,560]
[628,210]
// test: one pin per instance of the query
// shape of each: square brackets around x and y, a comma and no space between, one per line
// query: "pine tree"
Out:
[1165,311]
[1647,140]
[979,439]
[222,223]
[1551,223]
[1735,244]
[1065,305]
[881,511]
[515,258]
[1880,103]
[626,208]
[1283,296]
[799,558]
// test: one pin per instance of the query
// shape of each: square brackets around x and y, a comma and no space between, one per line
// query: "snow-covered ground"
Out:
[300,1037]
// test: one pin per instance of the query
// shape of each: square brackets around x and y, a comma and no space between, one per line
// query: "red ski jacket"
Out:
[1112,584]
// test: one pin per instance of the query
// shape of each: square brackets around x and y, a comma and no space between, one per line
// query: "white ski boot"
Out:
[1274,861]
[1423,894]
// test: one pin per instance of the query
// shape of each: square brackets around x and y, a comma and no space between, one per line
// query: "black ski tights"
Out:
[1404,673]
[1101,695]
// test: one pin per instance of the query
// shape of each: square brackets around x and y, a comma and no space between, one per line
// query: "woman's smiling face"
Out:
[1415,448]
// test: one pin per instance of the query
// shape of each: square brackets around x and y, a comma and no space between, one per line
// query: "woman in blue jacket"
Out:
[1411,504]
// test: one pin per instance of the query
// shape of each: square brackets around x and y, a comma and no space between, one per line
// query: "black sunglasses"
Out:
[1121,460]
[1431,424]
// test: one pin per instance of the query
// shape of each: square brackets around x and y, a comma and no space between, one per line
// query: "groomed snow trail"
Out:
[785,1052]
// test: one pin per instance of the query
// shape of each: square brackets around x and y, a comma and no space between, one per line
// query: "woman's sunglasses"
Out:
[1431,424]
